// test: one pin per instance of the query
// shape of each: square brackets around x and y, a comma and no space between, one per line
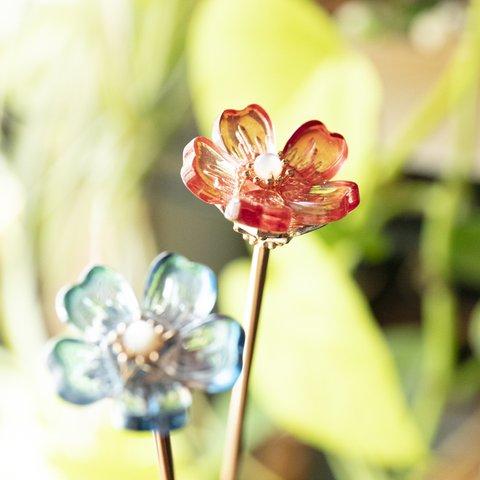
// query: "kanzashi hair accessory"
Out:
[146,356]
[270,196]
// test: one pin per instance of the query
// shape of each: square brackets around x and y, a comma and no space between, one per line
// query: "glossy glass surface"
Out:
[177,287]
[208,172]
[260,208]
[160,406]
[149,363]
[246,133]
[81,372]
[99,302]
[207,356]
[296,199]
[315,153]
[327,202]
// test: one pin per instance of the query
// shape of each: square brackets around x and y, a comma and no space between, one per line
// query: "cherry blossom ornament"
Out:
[146,357]
[269,195]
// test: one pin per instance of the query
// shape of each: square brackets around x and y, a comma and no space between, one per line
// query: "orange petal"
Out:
[208,172]
[245,133]
[314,152]
[325,203]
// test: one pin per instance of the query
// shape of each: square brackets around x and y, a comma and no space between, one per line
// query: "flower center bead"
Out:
[268,166]
[140,337]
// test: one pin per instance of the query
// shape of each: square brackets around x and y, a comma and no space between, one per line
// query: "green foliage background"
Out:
[97,100]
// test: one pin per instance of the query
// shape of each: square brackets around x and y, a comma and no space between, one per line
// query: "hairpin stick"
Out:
[270,197]
[147,357]
[164,454]
[238,402]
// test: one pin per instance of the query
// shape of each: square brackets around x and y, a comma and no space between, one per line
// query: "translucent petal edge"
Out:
[224,380]
[66,293]
[216,135]
[61,387]
[191,173]
[161,260]
[319,126]
[305,217]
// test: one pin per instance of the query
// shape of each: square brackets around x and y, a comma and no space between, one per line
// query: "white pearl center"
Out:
[139,337]
[268,166]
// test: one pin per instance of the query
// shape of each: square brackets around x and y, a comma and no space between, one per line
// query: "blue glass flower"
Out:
[149,356]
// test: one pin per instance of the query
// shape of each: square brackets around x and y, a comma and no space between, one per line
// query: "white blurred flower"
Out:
[432,30]
[355,18]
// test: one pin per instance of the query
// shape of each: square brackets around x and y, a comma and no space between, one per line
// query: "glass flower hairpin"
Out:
[146,357]
[270,196]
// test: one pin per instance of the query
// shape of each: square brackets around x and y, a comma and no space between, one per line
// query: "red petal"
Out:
[245,133]
[314,152]
[208,172]
[326,203]
[260,208]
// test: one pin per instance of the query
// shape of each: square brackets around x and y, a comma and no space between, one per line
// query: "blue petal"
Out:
[208,356]
[81,372]
[161,407]
[177,287]
[99,302]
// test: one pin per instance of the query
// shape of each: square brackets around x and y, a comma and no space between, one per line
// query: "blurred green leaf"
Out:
[466,252]
[405,343]
[116,455]
[466,382]
[474,330]
[21,329]
[98,89]
[82,444]
[323,371]
[288,56]
[437,363]
[347,469]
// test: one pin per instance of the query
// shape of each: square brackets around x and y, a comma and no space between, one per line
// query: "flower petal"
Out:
[314,152]
[208,172]
[177,287]
[159,406]
[325,203]
[260,208]
[245,133]
[99,302]
[82,374]
[208,356]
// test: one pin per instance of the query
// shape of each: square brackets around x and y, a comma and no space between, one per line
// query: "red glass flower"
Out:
[265,193]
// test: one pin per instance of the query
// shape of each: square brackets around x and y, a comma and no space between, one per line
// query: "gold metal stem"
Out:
[238,402]
[164,454]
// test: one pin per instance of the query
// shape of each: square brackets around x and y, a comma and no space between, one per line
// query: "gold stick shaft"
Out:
[164,454]
[238,402]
